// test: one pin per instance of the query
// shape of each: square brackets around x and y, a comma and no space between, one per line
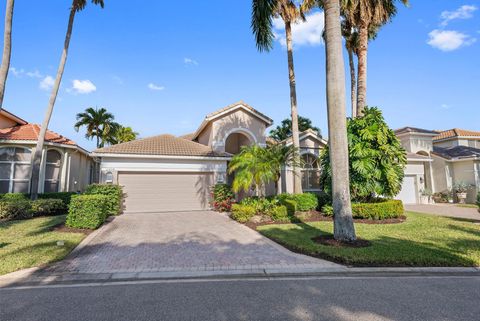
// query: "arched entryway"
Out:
[233,145]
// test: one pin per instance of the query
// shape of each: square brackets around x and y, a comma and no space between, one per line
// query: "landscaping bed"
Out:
[422,240]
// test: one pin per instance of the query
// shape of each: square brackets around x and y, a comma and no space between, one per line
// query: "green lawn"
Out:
[30,243]
[467,205]
[423,240]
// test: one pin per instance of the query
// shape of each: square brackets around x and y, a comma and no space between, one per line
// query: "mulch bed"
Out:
[330,241]
[65,229]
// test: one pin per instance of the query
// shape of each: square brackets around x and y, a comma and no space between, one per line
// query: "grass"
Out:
[423,240]
[467,205]
[31,243]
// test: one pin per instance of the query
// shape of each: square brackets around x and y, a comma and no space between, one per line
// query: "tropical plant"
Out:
[284,130]
[256,166]
[263,13]
[222,198]
[99,123]
[77,6]
[7,49]
[122,134]
[376,156]
[461,187]
[343,228]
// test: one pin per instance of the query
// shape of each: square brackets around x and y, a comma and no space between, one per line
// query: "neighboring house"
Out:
[65,166]
[439,159]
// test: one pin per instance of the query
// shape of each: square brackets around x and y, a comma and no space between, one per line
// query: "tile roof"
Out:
[187,136]
[409,129]
[167,145]
[456,132]
[241,102]
[30,132]
[456,152]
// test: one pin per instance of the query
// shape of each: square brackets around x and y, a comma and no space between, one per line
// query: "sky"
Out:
[161,66]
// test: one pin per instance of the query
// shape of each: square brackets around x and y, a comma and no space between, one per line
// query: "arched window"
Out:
[52,171]
[14,170]
[310,173]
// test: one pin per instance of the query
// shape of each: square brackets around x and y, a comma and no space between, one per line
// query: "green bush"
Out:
[323,199]
[64,196]
[379,210]
[44,207]
[13,197]
[87,211]
[261,204]
[291,206]
[242,213]
[114,195]
[279,214]
[478,201]
[15,210]
[306,201]
[222,198]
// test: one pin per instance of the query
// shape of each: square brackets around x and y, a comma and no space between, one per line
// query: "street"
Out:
[347,298]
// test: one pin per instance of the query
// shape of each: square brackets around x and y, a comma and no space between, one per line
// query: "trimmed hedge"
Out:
[64,196]
[372,211]
[306,201]
[114,195]
[13,197]
[15,209]
[87,211]
[243,213]
[48,207]
[279,214]
[290,205]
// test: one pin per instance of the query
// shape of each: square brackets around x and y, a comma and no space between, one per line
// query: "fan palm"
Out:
[77,6]
[99,124]
[7,49]
[263,13]
[122,134]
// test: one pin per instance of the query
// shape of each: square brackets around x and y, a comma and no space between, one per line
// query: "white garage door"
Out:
[408,194]
[161,192]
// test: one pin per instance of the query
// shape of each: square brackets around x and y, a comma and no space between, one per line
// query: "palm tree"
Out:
[122,134]
[263,12]
[365,15]
[99,123]
[343,227]
[7,49]
[351,40]
[77,6]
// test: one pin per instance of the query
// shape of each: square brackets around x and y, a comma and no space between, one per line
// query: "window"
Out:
[52,171]
[310,173]
[14,169]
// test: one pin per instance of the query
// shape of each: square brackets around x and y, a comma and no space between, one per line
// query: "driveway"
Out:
[179,241]
[450,210]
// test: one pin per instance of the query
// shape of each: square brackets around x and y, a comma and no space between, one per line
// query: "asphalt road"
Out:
[340,299]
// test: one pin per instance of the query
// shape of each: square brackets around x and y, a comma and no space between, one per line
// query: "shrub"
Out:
[279,214]
[291,206]
[261,204]
[478,201]
[64,196]
[223,198]
[45,207]
[373,211]
[323,199]
[114,195]
[13,197]
[15,210]
[87,211]
[306,201]
[242,213]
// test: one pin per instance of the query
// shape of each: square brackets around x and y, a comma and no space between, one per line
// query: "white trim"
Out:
[456,138]
[305,135]
[416,134]
[241,130]
[419,160]
[34,142]
[93,154]
[159,170]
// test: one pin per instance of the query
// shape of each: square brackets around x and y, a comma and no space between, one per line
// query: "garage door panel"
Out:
[160,192]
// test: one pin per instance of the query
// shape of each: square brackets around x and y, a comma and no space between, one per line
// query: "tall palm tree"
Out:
[99,123]
[344,229]
[263,12]
[77,6]
[365,15]
[7,49]
[122,134]
[351,40]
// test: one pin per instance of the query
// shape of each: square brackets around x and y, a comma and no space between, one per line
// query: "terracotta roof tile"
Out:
[167,145]
[187,136]
[456,132]
[30,132]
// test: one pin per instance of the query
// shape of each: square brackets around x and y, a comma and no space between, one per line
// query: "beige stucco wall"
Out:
[79,176]
[441,181]
[6,122]
[205,137]
[417,144]
[464,171]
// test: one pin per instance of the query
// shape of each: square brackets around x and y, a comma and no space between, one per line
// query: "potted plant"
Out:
[426,196]
[461,189]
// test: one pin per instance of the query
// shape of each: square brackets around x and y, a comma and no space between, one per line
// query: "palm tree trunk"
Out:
[344,229]
[7,49]
[41,137]
[297,178]
[362,68]
[353,83]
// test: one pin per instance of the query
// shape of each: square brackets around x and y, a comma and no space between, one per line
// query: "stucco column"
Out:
[63,176]
[432,182]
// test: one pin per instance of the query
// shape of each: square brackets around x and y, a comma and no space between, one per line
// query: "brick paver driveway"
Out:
[179,241]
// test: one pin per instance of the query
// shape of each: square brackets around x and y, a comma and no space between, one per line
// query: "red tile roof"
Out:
[30,132]
[456,132]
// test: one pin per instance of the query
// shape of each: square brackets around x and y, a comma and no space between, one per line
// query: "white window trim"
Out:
[12,178]
[310,169]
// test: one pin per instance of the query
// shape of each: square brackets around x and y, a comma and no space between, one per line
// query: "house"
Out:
[176,173]
[439,159]
[65,166]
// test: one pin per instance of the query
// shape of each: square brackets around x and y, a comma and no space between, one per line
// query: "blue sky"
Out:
[160,67]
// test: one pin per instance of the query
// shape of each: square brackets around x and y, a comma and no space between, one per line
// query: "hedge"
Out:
[478,201]
[48,207]
[114,195]
[87,211]
[306,201]
[279,214]
[242,213]
[372,211]
[291,206]
[13,197]
[17,209]
[64,196]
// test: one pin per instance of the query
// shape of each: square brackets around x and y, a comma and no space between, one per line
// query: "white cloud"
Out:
[303,33]
[34,74]
[152,86]
[82,87]
[17,72]
[464,12]
[445,106]
[449,40]
[190,61]
[47,83]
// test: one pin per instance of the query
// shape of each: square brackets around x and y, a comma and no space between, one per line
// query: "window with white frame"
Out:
[15,169]
[310,173]
[52,171]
